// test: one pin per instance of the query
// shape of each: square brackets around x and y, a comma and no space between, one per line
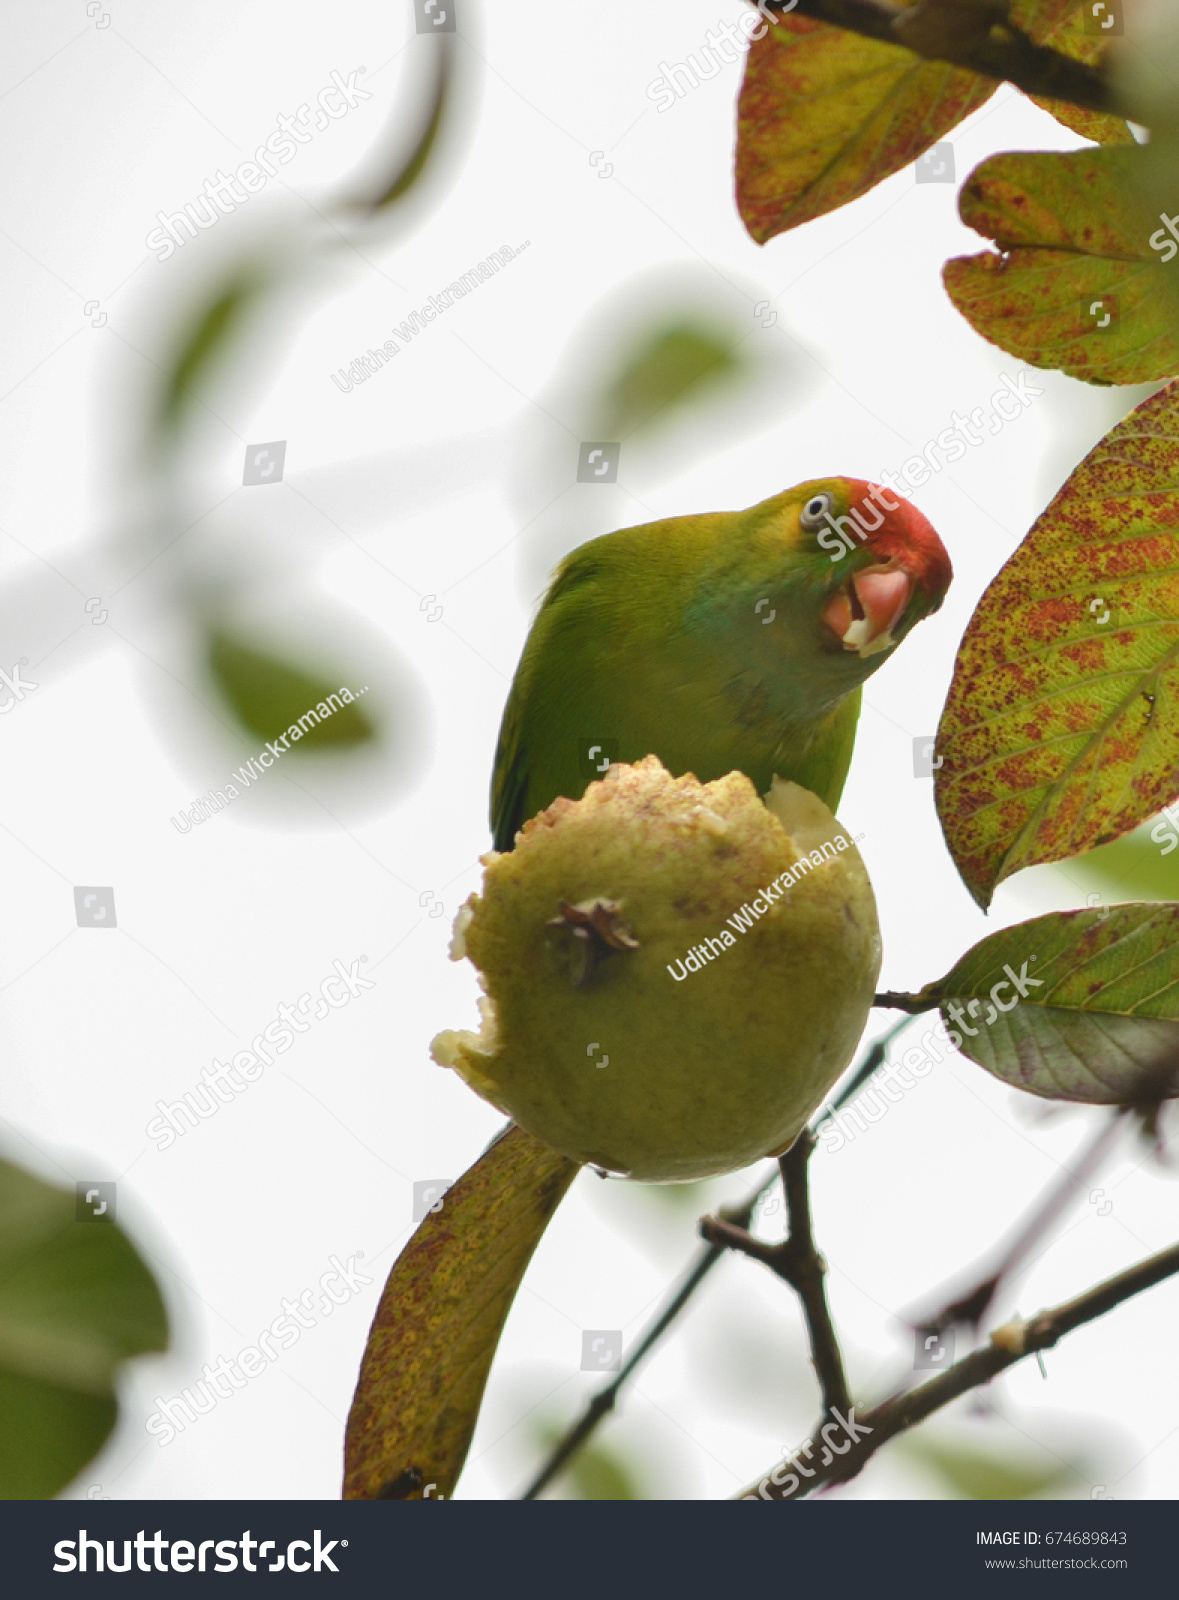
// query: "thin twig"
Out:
[798,1262]
[604,1401]
[873,1059]
[970,1308]
[1007,1345]
[977,36]
[914,1004]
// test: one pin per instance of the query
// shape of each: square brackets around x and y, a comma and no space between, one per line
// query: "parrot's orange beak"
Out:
[868,607]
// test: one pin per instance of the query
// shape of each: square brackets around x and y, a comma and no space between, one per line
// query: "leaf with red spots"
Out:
[439,1320]
[825,115]
[1060,24]
[1077,1005]
[1061,728]
[1078,285]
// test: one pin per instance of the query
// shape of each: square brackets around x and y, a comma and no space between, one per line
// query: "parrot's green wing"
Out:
[509,782]
[513,774]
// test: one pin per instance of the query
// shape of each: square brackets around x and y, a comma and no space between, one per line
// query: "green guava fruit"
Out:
[647,1009]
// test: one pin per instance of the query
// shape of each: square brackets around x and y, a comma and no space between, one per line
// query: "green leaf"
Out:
[1060,24]
[424,153]
[1138,867]
[595,1472]
[268,696]
[439,1320]
[599,1473]
[1099,1021]
[825,115]
[216,327]
[1074,239]
[673,366]
[75,1301]
[1059,732]
[984,1475]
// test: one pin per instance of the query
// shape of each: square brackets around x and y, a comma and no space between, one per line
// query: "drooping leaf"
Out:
[1060,24]
[1059,732]
[1098,1019]
[268,696]
[439,1320]
[1077,286]
[825,115]
[75,1302]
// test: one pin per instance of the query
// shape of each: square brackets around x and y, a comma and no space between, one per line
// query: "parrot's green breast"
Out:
[651,642]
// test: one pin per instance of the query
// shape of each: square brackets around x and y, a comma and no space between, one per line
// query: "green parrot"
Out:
[733,641]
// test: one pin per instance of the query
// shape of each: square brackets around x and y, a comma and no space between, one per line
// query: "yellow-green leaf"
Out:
[1077,285]
[439,1320]
[1060,24]
[1076,1005]
[269,697]
[1060,729]
[825,115]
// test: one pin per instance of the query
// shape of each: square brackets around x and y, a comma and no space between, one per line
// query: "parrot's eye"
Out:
[816,511]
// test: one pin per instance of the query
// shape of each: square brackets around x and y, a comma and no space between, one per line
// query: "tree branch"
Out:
[797,1260]
[972,1306]
[1007,1345]
[974,34]
[914,1004]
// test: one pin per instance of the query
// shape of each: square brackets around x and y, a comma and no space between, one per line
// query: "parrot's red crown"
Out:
[905,536]
[905,555]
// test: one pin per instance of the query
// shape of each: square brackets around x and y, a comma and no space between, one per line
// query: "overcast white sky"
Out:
[434,479]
